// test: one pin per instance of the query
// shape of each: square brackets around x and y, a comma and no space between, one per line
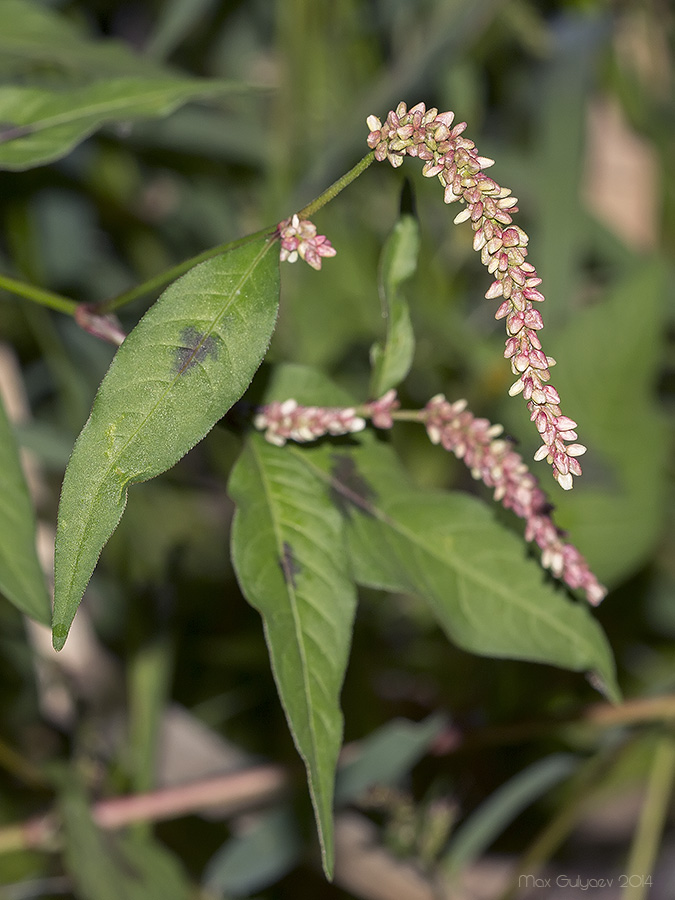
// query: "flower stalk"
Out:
[478,443]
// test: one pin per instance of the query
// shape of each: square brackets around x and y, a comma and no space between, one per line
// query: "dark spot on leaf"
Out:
[289,565]
[10,132]
[195,347]
[349,488]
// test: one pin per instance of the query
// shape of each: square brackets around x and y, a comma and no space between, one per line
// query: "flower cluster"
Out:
[299,239]
[475,441]
[432,137]
[288,421]
[493,460]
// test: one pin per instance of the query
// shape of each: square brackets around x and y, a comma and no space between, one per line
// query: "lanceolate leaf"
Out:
[289,553]
[183,366]
[448,548]
[91,82]
[38,125]
[392,359]
[21,579]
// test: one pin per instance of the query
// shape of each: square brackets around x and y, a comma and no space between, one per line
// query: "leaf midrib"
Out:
[469,573]
[104,480]
[278,534]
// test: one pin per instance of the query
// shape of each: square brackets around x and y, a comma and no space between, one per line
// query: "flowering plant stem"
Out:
[69,306]
[38,295]
[337,186]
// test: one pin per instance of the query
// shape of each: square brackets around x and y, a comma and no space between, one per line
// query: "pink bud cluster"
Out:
[493,460]
[288,421]
[431,136]
[299,239]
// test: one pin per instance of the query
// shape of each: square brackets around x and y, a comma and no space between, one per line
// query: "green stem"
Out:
[337,186]
[652,821]
[159,281]
[168,275]
[65,305]
[38,295]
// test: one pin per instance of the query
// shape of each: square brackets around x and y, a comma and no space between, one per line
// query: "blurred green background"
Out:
[574,101]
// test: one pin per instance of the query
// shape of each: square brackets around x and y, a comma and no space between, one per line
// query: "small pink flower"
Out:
[380,411]
[299,239]
[288,421]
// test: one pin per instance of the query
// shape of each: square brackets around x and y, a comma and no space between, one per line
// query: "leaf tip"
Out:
[59,635]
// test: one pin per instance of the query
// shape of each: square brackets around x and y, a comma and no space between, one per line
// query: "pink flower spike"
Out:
[493,460]
[503,247]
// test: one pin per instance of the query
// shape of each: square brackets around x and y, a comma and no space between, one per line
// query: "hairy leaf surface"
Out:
[21,578]
[289,554]
[187,361]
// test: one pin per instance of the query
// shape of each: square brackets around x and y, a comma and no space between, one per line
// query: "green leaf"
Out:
[107,866]
[91,82]
[187,361]
[21,578]
[392,359]
[447,547]
[40,125]
[289,554]
[607,382]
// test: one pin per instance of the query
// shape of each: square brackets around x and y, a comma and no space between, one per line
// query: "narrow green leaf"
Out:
[289,554]
[392,359]
[38,125]
[149,679]
[187,361]
[21,578]
[486,823]
[447,547]
[107,866]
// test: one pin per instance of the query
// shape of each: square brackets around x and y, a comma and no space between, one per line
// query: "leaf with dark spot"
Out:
[289,565]
[349,488]
[285,524]
[147,414]
[195,347]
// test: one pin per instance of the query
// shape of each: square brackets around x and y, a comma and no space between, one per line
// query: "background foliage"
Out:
[463,765]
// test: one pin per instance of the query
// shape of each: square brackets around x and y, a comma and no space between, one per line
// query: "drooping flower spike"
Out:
[299,239]
[432,137]
[477,442]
